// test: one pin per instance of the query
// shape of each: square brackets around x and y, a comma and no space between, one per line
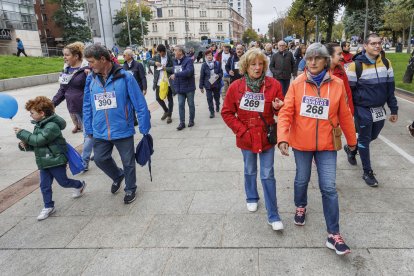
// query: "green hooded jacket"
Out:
[46,141]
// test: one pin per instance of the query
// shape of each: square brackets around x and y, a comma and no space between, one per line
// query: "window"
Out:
[171,26]
[174,40]
[203,13]
[170,41]
[186,13]
[44,17]
[219,13]
[187,27]
[170,13]
[203,26]
[154,27]
[220,27]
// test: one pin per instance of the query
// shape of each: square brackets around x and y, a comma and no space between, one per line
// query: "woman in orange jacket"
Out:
[249,109]
[314,105]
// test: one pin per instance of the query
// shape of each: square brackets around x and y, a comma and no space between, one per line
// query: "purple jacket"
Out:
[72,92]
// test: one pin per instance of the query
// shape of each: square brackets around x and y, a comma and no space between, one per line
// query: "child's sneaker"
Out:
[300,216]
[45,213]
[337,243]
[79,192]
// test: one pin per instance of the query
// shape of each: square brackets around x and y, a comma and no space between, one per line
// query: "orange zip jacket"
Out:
[309,134]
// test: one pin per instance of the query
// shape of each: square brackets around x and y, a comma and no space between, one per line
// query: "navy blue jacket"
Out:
[184,81]
[137,70]
[205,76]
[230,67]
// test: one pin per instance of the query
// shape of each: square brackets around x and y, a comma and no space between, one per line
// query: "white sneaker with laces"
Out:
[252,207]
[45,213]
[276,225]
[79,192]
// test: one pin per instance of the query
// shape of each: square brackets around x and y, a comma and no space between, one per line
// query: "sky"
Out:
[263,12]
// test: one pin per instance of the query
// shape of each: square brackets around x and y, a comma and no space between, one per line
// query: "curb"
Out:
[405,93]
[23,82]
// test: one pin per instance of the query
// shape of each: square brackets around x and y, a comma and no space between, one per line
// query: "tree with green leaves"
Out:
[250,35]
[74,27]
[303,10]
[397,17]
[134,23]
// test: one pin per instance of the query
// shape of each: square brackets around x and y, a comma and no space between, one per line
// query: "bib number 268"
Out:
[314,109]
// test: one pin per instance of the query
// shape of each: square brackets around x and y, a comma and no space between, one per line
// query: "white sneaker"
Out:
[45,213]
[276,225]
[252,207]
[79,192]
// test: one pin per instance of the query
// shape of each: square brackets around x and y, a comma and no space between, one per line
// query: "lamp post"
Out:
[282,27]
[366,19]
[142,27]
[409,35]
[127,16]
[186,22]
[102,22]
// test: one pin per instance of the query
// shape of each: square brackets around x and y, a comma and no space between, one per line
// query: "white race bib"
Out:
[105,100]
[236,66]
[65,78]
[177,69]
[314,107]
[213,77]
[252,102]
[378,114]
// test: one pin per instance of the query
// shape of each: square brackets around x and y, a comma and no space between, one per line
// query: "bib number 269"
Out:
[251,103]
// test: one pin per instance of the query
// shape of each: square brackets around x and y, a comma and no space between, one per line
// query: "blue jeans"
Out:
[326,166]
[181,105]
[104,161]
[285,85]
[367,132]
[267,177]
[46,180]
[87,150]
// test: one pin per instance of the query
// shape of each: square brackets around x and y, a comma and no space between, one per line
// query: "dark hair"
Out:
[161,48]
[331,47]
[208,52]
[371,35]
[41,104]
[97,51]
[343,44]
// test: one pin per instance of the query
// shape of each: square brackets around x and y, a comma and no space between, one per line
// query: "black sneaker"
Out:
[217,109]
[129,197]
[370,179]
[181,126]
[337,243]
[300,215]
[190,124]
[164,116]
[211,114]
[351,155]
[116,185]
[410,130]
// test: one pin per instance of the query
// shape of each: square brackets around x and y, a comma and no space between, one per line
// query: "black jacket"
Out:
[230,65]
[169,68]
[137,70]
[282,65]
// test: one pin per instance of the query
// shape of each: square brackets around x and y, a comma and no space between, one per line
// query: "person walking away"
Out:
[20,47]
[210,79]
[110,98]
[232,65]
[72,85]
[163,64]
[184,85]
[223,57]
[49,147]
[248,110]
[136,69]
[371,79]
[315,107]
[283,66]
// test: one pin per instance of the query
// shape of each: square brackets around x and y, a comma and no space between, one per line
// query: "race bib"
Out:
[65,78]
[178,69]
[213,77]
[378,114]
[314,107]
[106,100]
[236,66]
[252,102]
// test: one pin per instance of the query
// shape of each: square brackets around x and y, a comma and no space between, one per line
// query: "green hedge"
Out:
[399,62]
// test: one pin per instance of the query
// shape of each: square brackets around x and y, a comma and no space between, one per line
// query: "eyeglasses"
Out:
[373,44]
[316,59]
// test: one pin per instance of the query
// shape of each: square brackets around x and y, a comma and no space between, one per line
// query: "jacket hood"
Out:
[363,58]
[55,119]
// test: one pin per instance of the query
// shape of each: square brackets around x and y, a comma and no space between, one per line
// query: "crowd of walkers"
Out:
[317,92]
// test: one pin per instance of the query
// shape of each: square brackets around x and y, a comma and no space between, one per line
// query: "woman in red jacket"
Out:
[335,51]
[249,109]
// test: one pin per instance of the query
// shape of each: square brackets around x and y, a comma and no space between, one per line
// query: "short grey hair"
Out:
[96,51]
[129,52]
[180,48]
[318,50]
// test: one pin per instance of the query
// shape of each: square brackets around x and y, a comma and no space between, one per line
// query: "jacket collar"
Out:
[327,78]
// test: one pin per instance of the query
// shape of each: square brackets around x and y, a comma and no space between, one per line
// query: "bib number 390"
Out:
[106,100]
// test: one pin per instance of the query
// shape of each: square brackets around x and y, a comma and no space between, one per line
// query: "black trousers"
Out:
[20,51]
[168,110]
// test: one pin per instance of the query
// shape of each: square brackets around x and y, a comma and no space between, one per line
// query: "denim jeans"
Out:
[46,180]
[104,161]
[326,166]
[87,150]
[213,93]
[181,105]
[267,177]
[285,85]
[367,132]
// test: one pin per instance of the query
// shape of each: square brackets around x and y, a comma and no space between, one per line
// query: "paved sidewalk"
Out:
[192,219]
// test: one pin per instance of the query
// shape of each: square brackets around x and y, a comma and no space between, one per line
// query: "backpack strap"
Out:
[358,66]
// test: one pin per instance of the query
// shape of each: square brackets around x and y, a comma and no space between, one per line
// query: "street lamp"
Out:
[283,22]
[127,16]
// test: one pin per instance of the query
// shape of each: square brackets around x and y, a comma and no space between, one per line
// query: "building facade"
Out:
[50,34]
[17,19]
[176,21]
[244,8]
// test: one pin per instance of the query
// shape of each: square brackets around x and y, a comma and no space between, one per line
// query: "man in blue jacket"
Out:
[371,79]
[111,95]
[20,47]
[184,85]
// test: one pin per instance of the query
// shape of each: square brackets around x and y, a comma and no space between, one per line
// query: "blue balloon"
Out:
[8,106]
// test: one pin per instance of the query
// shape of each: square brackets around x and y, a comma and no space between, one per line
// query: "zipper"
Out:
[376,71]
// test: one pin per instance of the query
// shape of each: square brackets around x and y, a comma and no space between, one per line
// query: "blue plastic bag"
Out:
[75,160]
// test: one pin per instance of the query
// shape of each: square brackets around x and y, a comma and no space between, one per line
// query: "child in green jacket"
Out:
[49,147]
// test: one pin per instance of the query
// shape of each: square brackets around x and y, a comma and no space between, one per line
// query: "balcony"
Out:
[203,31]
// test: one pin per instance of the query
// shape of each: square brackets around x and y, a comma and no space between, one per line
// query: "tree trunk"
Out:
[305,32]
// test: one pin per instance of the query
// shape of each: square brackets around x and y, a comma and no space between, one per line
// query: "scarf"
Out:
[210,64]
[255,84]
[318,78]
